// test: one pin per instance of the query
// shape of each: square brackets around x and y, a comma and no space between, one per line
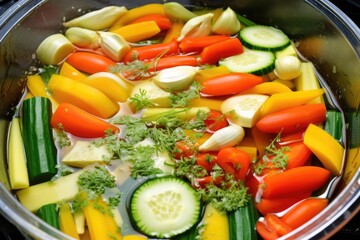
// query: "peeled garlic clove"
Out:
[176,78]
[287,67]
[177,11]
[99,19]
[83,37]
[114,46]
[226,137]
[197,26]
[227,23]
[54,49]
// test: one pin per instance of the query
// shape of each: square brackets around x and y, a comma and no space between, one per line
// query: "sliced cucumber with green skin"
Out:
[250,61]
[165,207]
[264,38]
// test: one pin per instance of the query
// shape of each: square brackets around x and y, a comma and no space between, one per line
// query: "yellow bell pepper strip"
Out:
[83,96]
[135,13]
[16,159]
[289,84]
[212,103]
[67,222]
[308,80]
[100,222]
[197,137]
[134,237]
[69,71]
[325,147]
[173,32]
[285,100]
[205,74]
[38,89]
[267,88]
[138,31]
[215,225]
[116,88]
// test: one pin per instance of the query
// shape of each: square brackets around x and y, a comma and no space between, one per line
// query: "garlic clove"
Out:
[197,26]
[98,19]
[287,67]
[226,137]
[175,78]
[83,37]
[114,46]
[227,23]
[176,11]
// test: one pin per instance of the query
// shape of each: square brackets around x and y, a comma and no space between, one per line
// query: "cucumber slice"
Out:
[264,38]
[250,61]
[165,207]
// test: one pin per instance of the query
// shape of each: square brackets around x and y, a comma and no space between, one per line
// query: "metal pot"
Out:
[323,34]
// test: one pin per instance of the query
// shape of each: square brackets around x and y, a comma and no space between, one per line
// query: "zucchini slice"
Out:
[165,207]
[250,61]
[262,37]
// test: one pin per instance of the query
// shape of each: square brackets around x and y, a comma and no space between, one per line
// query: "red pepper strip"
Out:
[287,138]
[295,181]
[215,121]
[174,61]
[279,204]
[163,22]
[202,182]
[152,51]
[265,232]
[183,150]
[90,62]
[274,222]
[196,44]
[292,119]
[234,161]
[231,83]
[304,211]
[252,183]
[213,53]
[79,122]
[206,160]
[298,155]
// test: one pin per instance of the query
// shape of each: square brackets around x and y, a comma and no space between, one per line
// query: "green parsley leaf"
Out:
[182,99]
[47,71]
[141,100]
[142,162]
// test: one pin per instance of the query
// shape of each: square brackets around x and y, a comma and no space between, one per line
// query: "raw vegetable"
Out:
[197,26]
[207,73]
[83,96]
[268,88]
[185,114]
[90,62]
[325,147]
[54,49]
[176,78]
[234,161]
[173,32]
[214,225]
[223,49]
[197,44]
[49,213]
[138,31]
[38,139]
[292,181]
[231,83]
[250,61]
[98,19]
[176,11]
[243,110]
[165,207]
[18,172]
[38,88]
[67,222]
[242,222]
[288,51]
[227,23]
[333,124]
[113,46]
[292,119]
[206,160]
[215,121]
[83,37]
[263,38]
[174,61]
[287,67]
[69,71]
[162,21]
[275,223]
[214,104]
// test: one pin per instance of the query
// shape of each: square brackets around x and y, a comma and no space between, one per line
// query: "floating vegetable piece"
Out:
[207,73]
[185,114]
[85,153]
[176,11]
[226,137]
[83,37]
[49,213]
[98,19]
[176,78]
[38,88]
[116,88]
[197,44]
[16,157]
[243,110]
[173,32]
[227,23]
[217,51]
[54,49]
[69,71]
[215,224]
[325,147]
[268,88]
[138,31]
[197,26]
[287,67]
[234,161]
[67,222]
[174,61]
[90,62]
[162,21]
[214,104]
[114,46]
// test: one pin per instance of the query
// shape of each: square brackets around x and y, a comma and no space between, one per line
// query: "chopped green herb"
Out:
[181,99]
[142,162]
[47,71]
[62,137]
[140,100]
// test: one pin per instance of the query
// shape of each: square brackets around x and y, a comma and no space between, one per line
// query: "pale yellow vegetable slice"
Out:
[288,51]
[215,225]
[267,88]
[79,218]
[85,153]
[329,151]
[243,110]
[17,161]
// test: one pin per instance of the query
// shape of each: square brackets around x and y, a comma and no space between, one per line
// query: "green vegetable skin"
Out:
[39,145]
[49,213]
